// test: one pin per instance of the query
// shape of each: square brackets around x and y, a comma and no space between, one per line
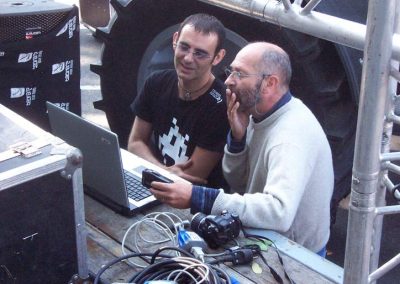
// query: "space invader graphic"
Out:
[173,144]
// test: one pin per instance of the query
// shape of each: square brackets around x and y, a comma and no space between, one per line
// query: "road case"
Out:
[42,225]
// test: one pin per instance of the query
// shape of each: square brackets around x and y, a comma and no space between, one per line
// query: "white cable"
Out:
[154,220]
[180,271]
[188,263]
[185,261]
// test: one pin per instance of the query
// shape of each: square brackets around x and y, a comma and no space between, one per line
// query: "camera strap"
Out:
[272,270]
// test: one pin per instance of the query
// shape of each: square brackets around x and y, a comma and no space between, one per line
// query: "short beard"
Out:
[252,96]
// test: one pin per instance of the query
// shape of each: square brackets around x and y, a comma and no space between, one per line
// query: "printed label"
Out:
[66,66]
[17,92]
[57,68]
[64,105]
[69,64]
[36,59]
[70,26]
[30,33]
[35,56]
[29,93]
[217,96]
[25,57]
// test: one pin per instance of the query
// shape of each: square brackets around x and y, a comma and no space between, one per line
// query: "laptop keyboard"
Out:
[134,186]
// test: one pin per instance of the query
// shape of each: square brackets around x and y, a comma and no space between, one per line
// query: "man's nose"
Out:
[229,81]
[189,56]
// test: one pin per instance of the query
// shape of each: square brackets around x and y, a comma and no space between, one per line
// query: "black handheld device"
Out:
[148,176]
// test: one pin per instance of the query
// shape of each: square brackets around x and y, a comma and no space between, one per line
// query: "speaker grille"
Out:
[21,27]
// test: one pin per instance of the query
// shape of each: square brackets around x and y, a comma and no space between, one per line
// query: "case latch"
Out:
[25,149]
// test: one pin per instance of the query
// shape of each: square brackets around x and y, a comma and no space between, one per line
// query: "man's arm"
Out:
[183,195]
[200,165]
[235,161]
[140,140]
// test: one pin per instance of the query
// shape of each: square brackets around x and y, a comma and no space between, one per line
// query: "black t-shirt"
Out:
[179,126]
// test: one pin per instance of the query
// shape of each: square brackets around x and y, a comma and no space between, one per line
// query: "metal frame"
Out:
[63,158]
[380,41]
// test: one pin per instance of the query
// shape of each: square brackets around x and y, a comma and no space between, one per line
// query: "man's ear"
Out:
[272,81]
[175,40]
[218,58]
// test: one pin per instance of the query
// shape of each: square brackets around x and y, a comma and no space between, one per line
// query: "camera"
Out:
[216,230]
[148,176]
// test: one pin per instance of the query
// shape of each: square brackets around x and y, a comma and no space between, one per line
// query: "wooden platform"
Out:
[106,230]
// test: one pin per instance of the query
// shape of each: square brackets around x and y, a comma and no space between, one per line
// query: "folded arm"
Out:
[140,140]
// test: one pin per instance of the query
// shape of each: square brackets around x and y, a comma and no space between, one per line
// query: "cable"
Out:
[273,272]
[118,259]
[200,271]
[162,227]
[157,252]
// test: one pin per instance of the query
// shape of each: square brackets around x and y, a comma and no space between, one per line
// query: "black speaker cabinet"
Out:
[39,58]
[42,227]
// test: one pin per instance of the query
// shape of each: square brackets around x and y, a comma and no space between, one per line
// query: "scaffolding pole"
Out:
[364,227]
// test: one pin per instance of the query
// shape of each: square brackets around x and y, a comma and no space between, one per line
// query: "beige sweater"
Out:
[284,177]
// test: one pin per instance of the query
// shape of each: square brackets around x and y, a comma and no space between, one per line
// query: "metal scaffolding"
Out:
[380,41]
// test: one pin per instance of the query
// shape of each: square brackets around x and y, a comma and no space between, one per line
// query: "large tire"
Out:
[138,41]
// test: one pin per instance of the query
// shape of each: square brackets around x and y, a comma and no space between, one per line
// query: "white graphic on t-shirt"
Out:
[217,96]
[173,144]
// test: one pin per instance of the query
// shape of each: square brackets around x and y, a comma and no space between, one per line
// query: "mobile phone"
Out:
[148,176]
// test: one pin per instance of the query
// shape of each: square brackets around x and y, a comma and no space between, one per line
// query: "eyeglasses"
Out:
[240,75]
[197,54]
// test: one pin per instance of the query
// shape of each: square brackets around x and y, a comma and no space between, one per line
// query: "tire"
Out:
[138,41]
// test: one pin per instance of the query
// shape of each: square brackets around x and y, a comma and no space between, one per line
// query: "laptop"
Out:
[104,175]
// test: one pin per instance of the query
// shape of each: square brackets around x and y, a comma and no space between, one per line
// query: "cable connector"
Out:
[192,242]
[198,253]
[242,256]
[237,256]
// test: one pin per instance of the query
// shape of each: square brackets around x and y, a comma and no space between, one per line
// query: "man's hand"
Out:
[179,170]
[238,120]
[177,194]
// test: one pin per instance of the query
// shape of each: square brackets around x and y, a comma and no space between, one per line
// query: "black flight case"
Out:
[42,224]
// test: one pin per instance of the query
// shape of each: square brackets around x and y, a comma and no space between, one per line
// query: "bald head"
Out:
[269,58]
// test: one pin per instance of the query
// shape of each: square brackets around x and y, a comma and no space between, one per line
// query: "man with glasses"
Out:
[185,108]
[277,158]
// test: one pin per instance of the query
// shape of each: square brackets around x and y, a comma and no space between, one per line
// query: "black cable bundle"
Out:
[181,269]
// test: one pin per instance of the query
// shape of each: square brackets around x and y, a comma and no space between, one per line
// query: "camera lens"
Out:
[196,221]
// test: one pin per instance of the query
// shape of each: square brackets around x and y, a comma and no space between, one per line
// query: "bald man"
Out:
[277,159]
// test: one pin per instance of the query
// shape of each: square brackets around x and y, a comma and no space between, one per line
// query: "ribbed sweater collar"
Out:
[282,101]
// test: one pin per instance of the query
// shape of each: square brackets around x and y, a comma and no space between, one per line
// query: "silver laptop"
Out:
[104,176]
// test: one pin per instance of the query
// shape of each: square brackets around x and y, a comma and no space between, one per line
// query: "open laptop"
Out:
[105,177]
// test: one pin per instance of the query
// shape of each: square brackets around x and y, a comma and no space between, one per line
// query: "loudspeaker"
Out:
[39,58]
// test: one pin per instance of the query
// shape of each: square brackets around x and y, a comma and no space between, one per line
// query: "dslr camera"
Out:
[216,230]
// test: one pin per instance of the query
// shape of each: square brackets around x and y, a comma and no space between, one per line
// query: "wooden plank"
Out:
[101,250]
[113,226]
